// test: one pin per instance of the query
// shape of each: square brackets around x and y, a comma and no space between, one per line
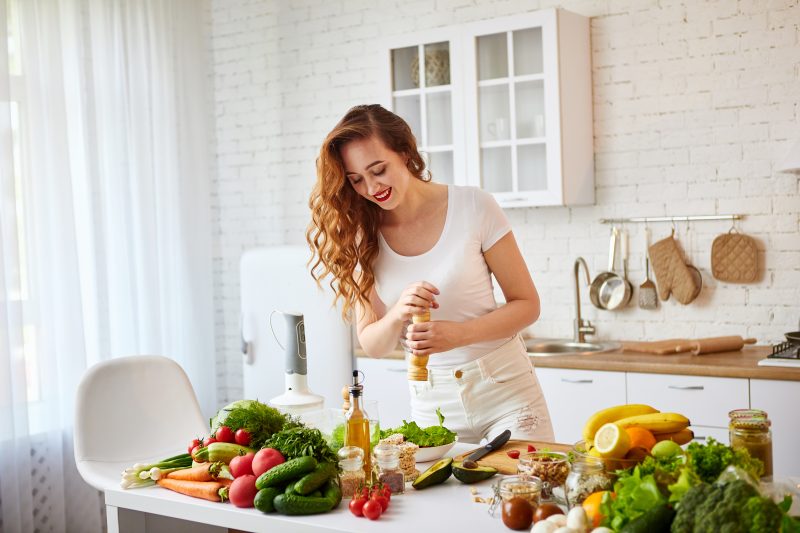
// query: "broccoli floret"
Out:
[718,509]
[762,515]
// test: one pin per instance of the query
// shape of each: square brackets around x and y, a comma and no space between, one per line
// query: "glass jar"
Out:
[351,460]
[387,467]
[551,467]
[587,475]
[528,488]
[754,435]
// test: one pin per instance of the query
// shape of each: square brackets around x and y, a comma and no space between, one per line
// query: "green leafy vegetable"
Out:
[709,460]
[635,495]
[302,441]
[259,420]
[423,437]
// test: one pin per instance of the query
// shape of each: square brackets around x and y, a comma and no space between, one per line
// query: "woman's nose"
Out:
[373,187]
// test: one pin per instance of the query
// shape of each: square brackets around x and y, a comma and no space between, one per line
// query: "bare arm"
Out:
[521,309]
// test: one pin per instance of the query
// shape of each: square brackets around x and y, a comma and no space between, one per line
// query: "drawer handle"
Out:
[565,380]
[687,387]
[396,369]
[699,438]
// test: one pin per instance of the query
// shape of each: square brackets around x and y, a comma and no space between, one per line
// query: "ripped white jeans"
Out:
[482,398]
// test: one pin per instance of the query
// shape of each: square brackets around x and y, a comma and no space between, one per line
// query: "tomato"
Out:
[224,434]
[387,492]
[194,451]
[357,505]
[531,448]
[195,442]
[242,437]
[381,499]
[243,491]
[209,440]
[514,454]
[242,465]
[265,459]
[372,510]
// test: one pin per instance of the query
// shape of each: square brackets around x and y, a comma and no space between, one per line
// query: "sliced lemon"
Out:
[611,441]
[594,453]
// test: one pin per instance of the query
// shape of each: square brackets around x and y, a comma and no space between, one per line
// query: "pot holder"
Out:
[734,258]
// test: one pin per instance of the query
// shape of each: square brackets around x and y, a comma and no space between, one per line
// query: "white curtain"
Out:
[105,237]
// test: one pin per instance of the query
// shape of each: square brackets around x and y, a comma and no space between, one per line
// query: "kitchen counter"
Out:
[736,364]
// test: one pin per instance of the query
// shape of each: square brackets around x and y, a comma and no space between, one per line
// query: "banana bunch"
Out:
[665,426]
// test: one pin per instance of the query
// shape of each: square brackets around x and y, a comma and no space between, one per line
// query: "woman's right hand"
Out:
[415,299]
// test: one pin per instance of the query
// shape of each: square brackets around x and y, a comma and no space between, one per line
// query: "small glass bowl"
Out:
[611,465]
[551,467]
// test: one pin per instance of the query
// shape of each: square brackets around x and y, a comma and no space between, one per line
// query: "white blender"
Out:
[296,398]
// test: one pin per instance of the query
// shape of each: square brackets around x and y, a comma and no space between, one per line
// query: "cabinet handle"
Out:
[699,438]
[396,369]
[565,380]
[687,387]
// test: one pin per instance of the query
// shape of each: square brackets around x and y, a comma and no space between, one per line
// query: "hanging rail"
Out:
[670,219]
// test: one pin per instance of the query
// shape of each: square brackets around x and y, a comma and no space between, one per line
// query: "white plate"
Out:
[433,453]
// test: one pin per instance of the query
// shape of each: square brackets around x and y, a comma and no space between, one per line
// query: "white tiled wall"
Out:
[694,105]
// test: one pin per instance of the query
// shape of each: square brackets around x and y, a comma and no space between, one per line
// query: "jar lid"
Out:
[755,423]
[386,452]
[587,463]
[351,457]
[520,485]
[747,413]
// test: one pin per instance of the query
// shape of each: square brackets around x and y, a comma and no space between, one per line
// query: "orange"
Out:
[641,438]
[592,507]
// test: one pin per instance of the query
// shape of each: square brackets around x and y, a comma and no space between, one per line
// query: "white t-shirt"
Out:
[455,265]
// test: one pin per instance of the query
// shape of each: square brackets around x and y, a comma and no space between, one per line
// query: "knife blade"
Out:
[495,444]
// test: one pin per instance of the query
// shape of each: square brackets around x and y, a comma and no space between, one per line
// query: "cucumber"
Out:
[657,519]
[264,499]
[290,488]
[291,503]
[314,480]
[292,469]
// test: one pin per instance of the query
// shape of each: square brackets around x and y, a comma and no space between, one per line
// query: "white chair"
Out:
[128,410]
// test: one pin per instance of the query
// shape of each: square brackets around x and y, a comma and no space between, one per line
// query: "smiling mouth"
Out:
[383,196]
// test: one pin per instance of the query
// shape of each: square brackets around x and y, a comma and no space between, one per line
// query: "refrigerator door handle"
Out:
[246,346]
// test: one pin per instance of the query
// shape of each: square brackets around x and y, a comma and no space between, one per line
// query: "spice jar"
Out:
[551,467]
[528,488]
[351,460]
[587,475]
[387,467]
[754,435]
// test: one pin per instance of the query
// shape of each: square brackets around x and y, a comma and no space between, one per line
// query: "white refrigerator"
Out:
[278,279]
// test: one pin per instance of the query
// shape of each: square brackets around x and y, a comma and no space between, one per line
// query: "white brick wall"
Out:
[694,104]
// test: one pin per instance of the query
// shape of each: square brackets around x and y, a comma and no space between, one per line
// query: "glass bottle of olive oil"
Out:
[357,423]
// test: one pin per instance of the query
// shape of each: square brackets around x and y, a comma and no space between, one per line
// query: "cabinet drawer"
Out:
[574,395]
[703,433]
[385,382]
[706,401]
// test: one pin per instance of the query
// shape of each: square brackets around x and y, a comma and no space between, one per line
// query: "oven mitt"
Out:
[734,258]
[672,274]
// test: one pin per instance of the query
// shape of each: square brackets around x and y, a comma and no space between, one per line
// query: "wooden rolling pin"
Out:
[418,364]
[665,347]
[715,344]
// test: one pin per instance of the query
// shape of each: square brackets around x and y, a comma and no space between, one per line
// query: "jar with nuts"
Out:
[551,467]
[514,487]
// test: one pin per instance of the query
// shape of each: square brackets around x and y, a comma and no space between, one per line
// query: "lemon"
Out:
[593,452]
[611,441]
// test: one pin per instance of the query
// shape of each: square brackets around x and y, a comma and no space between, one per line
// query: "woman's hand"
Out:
[417,298]
[438,336]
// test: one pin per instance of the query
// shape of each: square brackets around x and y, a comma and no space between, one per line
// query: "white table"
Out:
[448,506]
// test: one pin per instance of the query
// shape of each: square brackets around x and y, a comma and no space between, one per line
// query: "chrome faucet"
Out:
[582,327]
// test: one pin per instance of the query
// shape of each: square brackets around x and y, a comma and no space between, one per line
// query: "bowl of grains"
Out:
[552,468]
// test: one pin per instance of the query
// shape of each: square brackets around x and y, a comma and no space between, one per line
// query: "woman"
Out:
[396,245]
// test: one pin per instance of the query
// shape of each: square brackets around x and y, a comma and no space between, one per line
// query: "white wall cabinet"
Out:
[385,381]
[780,400]
[574,395]
[503,104]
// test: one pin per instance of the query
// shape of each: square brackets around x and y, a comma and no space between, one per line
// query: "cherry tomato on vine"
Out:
[224,434]
[195,442]
[372,509]
[357,505]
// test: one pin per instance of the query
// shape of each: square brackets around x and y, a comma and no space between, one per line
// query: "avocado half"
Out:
[472,475]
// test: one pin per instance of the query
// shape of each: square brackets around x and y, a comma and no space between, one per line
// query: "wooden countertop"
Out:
[738,364]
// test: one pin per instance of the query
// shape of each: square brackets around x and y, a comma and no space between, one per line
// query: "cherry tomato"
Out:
[387,492]
[224,434]
[372,509]
[242,437]
[357,506]
[381,499]
[531,448]
[514,454]
[209,440]
[195,442]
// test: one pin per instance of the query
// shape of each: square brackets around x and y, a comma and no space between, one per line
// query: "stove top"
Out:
[783,354]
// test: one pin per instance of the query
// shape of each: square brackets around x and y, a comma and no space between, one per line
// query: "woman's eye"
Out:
[355,181]
[379,172]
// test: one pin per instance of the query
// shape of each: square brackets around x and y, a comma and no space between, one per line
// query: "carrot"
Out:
[207,490]
[200,472]
[225,482]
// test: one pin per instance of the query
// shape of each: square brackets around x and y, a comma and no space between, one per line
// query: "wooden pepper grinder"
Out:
[346,397]
[418,364]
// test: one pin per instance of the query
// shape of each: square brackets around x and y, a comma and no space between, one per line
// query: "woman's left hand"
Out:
[438,336]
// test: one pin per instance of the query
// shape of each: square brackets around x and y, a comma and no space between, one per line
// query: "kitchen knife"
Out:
[495,444]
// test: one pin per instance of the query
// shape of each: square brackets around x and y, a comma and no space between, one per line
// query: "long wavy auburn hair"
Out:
[343,233]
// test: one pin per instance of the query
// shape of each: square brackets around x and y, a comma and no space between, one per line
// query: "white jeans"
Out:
[482,398]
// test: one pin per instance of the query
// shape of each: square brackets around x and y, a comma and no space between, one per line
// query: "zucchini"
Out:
[264,499]
[657,519]
[314,480]
[292,469]
[221,451]
[295,504]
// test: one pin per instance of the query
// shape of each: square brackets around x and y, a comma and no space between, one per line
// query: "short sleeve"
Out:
[494,223]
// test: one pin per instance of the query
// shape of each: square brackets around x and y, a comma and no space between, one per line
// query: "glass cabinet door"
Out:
[511,111]
[422,95]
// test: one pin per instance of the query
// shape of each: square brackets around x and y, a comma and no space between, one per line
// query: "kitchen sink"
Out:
[548,347]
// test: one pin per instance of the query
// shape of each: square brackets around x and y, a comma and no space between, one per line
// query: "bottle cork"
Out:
[418,364]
